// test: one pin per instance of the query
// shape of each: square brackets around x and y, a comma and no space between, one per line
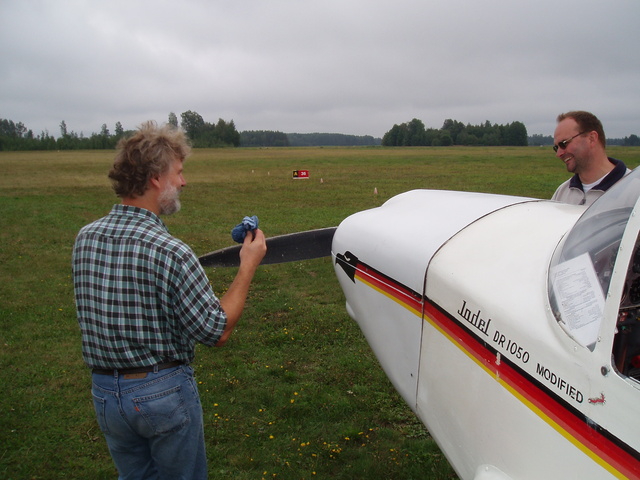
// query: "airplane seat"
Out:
[626,347]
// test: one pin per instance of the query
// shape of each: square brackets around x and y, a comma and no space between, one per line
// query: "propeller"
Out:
[291,247]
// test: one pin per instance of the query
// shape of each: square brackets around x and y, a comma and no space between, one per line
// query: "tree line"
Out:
[268,138]
[204,134]
[631,141]
[330,139]
[453,132]
[16,136]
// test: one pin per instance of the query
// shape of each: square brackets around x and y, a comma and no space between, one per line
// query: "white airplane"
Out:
[509,325]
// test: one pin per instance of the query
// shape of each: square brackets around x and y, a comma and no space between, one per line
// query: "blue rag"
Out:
[240,231]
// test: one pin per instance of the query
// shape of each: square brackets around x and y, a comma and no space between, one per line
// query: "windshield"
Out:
[581,266]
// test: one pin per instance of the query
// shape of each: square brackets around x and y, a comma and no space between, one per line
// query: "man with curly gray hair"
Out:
[143,302]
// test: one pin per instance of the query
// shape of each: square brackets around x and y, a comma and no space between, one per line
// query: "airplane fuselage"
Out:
[452,292]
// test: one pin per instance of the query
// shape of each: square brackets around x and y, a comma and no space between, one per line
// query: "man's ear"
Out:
[154,182]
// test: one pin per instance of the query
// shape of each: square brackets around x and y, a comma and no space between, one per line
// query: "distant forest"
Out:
[630,141]
[16,136]
[453,132]
[262,138]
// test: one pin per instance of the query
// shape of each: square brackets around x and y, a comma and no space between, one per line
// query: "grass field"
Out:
[296,393]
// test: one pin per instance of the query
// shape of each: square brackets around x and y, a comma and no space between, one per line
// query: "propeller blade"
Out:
[291,247]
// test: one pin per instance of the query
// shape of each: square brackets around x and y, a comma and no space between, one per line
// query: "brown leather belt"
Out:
[135,370]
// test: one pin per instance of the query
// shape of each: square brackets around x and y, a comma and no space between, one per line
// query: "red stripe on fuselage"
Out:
[613,455]
[402,294]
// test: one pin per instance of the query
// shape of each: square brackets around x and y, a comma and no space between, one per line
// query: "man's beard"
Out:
[169,201]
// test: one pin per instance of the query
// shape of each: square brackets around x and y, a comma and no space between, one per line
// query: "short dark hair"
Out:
[587,122]
[147,153]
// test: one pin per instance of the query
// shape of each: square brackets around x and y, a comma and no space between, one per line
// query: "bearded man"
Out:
[143,302]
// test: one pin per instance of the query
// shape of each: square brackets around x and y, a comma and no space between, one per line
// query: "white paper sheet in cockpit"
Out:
[580,298]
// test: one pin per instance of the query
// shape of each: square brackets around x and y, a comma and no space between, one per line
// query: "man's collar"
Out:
[619,170]
[123,209]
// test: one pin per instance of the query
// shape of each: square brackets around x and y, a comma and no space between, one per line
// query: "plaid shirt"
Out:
[142,297]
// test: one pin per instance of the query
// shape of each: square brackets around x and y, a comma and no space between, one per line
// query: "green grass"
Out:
[296,393]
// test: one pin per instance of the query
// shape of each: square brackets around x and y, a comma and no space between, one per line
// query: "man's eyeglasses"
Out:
[563,144]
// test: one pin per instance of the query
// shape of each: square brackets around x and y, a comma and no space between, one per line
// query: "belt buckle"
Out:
[135,376]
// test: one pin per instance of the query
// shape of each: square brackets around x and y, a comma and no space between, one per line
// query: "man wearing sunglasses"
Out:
[580,143]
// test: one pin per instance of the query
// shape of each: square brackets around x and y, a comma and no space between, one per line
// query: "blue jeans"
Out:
[153,425]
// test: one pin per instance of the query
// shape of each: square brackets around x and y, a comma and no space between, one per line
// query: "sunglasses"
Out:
[563,144]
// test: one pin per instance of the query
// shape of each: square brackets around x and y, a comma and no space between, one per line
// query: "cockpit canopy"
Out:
[582,265]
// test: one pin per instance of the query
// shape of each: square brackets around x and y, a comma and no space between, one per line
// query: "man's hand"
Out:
[253,249]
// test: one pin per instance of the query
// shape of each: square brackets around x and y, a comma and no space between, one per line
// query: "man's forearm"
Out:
[233,301]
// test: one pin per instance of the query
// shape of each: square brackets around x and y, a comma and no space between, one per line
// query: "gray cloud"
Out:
[355,66]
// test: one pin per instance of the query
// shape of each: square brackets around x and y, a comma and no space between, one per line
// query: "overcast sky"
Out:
[341,66]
